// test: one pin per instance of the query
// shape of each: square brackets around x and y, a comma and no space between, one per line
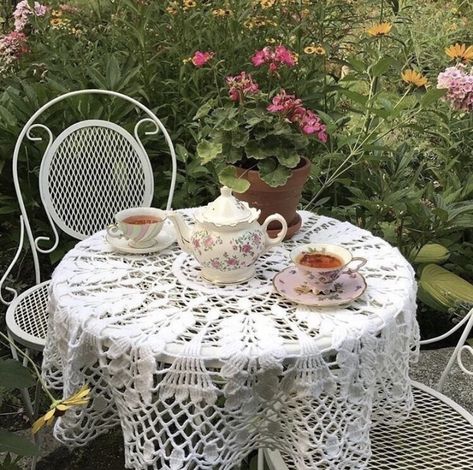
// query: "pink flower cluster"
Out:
[293,110]
[23,11]
[241,85]
[459,85]
[13,45]
[199,59]
[274,58]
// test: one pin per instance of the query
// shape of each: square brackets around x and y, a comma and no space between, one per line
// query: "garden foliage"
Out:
[398,157]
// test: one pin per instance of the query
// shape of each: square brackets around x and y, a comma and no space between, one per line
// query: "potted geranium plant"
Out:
[257,141]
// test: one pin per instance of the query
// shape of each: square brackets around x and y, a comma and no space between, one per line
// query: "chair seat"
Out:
[437,435]
[27,317]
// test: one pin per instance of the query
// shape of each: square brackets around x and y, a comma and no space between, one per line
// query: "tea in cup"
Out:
[322,263]
[140,226]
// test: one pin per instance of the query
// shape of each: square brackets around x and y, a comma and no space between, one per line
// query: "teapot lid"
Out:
[227,210]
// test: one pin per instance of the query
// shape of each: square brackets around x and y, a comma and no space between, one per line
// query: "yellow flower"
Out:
[460,51]
[187,60]
[59,407]
[172,10]
[189,4]
[314,50]
[267,3]
[412,77]
[381,29]
[56,13]
[219,12]
[258,22]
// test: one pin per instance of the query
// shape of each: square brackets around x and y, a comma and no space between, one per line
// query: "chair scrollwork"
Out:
[10,267]
[38,138]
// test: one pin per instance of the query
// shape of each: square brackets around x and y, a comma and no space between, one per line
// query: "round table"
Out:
[199,375]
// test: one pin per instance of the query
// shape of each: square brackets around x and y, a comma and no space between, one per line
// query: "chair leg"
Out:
[24,391]
[260,465]
[456,352]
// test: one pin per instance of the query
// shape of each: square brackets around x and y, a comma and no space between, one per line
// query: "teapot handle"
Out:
[275,241]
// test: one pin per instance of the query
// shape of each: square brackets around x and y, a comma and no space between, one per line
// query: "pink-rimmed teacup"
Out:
[139,225]
[323,278]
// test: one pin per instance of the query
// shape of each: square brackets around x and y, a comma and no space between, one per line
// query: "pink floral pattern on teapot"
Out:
[226,238]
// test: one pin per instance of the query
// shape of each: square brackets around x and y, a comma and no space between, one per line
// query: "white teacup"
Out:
[139,225]
[322,278]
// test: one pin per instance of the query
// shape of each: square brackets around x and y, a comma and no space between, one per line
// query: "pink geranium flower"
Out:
[293,110]
[199,59]
[260,57]
[284,104]
[285,56]
[241,85]
[274,58]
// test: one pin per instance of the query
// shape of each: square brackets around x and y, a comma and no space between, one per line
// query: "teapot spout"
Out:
[183,231]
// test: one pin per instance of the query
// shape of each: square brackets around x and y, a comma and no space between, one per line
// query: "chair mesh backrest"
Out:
[91,171]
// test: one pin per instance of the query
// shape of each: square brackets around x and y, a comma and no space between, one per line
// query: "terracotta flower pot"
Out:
[282,199]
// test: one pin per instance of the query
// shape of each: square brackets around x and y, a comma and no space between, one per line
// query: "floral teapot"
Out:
[226,239]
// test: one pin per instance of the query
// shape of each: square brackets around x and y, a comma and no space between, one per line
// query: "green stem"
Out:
[356,151]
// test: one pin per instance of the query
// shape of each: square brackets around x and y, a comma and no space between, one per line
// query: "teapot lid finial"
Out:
[227,210]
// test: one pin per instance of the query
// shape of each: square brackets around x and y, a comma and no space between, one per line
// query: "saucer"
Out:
[165,238]
[293,285]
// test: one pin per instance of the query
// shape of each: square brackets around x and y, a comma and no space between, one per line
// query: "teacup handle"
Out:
[274,241]
[113,231]
[362,262]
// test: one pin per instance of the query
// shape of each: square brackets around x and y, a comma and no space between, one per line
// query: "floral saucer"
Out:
[166,237]
[293,285]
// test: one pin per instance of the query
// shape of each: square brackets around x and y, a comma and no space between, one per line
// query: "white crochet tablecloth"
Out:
[198,376]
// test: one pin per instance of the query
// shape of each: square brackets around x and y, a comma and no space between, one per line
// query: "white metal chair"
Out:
[437,434]
[89,172]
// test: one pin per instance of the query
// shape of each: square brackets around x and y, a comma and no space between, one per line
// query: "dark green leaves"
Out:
[14,375]
[433,95]
[17,445]
[382,65]
[273,173]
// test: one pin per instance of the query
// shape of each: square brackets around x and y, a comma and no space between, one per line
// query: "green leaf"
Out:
[432,253]
[259,151]
[204,110]
[207,151]
[17,445]
[182,153]
[14,375]
[287,158]
[273,173]
[357,64]
[228,177]
[354,96]
[382,66]
[442,289]
[113,72]
[232,154]
[432,96]
[240,138]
